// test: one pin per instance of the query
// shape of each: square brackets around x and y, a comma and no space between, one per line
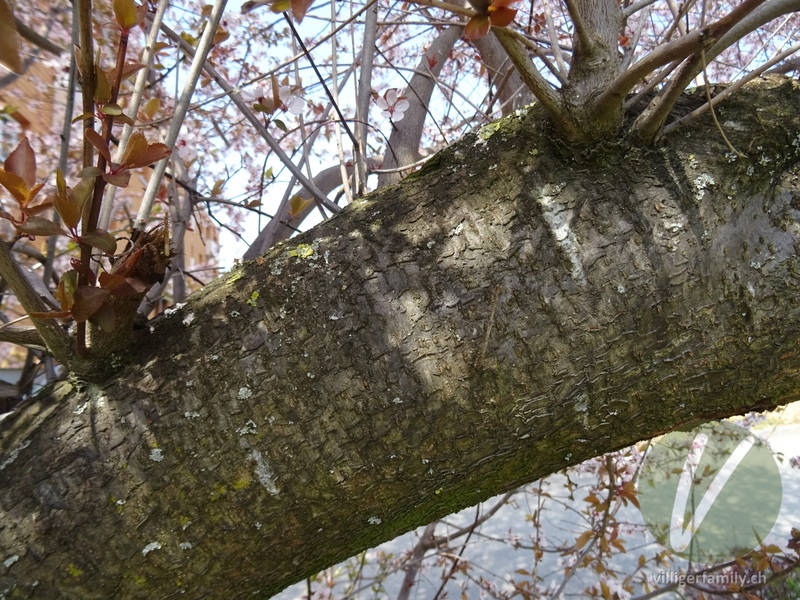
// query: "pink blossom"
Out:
[393,105]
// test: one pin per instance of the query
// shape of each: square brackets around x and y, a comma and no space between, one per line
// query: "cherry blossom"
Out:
[261,95]
[393,105]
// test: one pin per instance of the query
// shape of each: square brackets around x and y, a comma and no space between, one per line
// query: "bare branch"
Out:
[580,27]
[38,40]
[317,195]
[134,103]
[728,91]
[404,141]
[363,95]
[56,339]
[181,108]
[772,9]
[537,84]
[83,14]
[636,7]
[558,55]
[648,125]
[22,336]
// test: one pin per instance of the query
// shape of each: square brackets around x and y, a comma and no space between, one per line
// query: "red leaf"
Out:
[476,27]
[155,152]
[35,210]
[128,263]
[40,226]
[96,140]
[22,163]
[101,240]
[87,302]
[501,16]
[122,286]
[138,153]
[300,8]
[118,179]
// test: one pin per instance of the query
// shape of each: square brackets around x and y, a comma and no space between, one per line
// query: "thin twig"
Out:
[739,83]
[181,108]
[316,194]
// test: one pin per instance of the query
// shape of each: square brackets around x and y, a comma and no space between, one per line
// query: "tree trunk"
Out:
[515,307]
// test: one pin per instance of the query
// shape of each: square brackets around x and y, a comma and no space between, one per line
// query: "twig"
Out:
[133,106]
[636,7]
[21,336]
[731,89]
[648,125]
[558,55]
[38,40]
[537,84]
[198,61]
[316,194]
[321,80]
[86,70]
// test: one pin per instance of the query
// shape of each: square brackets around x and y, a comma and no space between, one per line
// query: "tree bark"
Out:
[515,307]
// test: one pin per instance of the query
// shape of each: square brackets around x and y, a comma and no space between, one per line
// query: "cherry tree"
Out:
[565,253]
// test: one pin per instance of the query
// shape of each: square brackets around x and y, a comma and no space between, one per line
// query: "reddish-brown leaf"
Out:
[122,286]
[135,148]
[22,162]
[300,8]
[39,208]
[40,226]
[68,210]
[96,140]
[100,239]
[500,16]
[65,293]
[476,27]
[87,301]
[15,185]
[118,179]
[129,263]
[155,152]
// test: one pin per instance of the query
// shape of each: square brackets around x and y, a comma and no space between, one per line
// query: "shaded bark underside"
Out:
[514,308]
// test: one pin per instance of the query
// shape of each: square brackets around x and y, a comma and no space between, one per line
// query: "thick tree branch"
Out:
[229,433]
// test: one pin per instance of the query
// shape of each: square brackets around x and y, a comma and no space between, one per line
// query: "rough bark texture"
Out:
[516,307]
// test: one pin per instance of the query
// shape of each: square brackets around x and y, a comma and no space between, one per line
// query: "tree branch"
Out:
[38,40]
[534,81]
[22,336]
[181,108]
[56,339]
[649,124]
[317,195]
